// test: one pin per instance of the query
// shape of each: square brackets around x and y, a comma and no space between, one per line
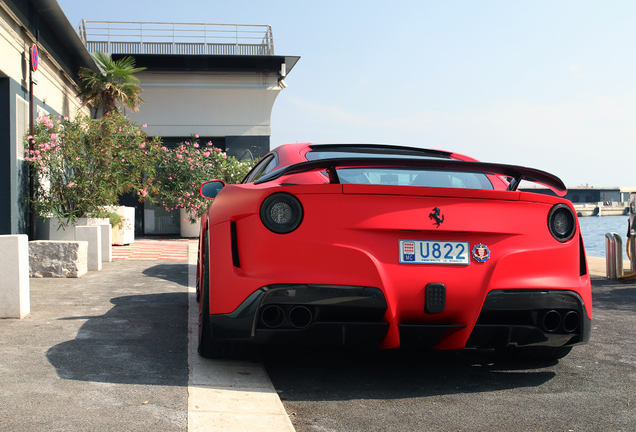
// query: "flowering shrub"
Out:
[82,165]
[184,168]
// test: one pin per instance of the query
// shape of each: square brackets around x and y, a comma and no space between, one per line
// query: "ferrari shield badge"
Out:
[481,253]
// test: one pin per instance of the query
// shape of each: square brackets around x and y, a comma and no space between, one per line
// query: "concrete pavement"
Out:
[109,351]
[229,395]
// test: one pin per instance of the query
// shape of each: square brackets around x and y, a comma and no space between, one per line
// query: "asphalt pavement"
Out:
[116,350]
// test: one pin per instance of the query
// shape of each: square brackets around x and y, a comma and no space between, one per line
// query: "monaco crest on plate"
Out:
[481,253]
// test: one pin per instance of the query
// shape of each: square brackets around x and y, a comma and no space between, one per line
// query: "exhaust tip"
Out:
[551,321]
[300,317]
[273,316]
[571,321]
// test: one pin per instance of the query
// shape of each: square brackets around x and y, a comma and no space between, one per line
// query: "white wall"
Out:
[208,104]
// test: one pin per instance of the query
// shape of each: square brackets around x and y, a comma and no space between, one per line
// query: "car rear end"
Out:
[389,263]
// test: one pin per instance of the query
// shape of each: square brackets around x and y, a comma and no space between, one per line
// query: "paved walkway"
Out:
[160,249]
[223,395]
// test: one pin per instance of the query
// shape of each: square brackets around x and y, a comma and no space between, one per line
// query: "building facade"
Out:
[25,95]
[219,81]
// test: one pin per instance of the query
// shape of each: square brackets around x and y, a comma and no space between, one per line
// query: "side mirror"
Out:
[211,189]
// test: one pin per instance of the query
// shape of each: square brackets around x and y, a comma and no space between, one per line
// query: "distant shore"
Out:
[594,209]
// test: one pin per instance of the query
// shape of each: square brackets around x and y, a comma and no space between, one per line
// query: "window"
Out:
[22,125]
[263,167]
[414,177]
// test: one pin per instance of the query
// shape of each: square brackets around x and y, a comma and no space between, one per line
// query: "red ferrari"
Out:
[385,246]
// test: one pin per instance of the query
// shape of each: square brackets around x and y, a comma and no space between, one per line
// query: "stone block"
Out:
[58,259]
[15,297]
[93,235]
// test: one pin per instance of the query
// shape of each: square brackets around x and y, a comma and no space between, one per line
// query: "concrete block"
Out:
[15,297]
[58,259]
[107,242]
[107,235]
[93,235]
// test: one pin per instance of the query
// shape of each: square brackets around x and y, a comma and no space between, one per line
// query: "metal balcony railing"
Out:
[173,38]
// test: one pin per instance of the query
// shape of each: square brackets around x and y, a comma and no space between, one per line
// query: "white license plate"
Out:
[434,252]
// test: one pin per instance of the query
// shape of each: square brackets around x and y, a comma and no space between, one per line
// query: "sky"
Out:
[545,84]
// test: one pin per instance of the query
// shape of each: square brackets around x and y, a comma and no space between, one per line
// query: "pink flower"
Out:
[179,156]
[206,154]
[71,184]
[196,145]
[144,125]
[123,160]
[142,145]
[53,136]
[196,135]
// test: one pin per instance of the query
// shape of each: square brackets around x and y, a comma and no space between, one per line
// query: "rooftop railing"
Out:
[173,38]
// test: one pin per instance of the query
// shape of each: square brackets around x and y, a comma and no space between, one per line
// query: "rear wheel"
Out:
[206,347]
[209,347]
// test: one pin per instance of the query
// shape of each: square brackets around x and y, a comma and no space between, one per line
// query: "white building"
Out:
[25,24]
[219,81]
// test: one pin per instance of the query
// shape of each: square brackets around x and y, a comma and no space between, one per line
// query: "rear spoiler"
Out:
[517,173]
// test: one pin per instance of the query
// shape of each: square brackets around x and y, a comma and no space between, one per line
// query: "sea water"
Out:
[594,228]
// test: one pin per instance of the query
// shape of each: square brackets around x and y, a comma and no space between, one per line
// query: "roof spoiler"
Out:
[517,173]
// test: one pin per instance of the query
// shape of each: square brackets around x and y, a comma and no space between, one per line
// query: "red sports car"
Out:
[386,246]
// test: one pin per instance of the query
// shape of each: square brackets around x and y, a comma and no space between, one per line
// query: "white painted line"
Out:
[227,395]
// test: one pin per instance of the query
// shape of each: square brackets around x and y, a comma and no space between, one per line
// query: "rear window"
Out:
[414,177]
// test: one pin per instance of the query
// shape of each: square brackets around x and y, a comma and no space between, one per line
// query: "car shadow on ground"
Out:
[333,374]
[140,340]
[167,272]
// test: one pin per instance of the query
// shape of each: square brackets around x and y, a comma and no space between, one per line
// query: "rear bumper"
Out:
[335,315]
[531,318]
[314,315]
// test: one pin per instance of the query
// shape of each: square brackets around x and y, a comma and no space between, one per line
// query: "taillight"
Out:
[562,222]
[281,213]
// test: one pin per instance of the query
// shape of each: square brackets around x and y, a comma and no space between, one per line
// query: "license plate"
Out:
[434,252]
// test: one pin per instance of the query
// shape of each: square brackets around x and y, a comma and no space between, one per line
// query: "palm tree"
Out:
[115,84]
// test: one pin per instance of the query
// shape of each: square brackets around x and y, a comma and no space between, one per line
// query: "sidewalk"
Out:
[116,350]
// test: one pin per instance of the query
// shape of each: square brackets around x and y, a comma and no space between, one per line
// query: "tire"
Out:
[208,347]
[536,354]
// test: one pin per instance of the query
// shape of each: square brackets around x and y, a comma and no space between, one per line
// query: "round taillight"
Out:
[281,213]
[562,222]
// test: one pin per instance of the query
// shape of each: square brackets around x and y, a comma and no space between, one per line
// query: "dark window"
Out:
[266,165]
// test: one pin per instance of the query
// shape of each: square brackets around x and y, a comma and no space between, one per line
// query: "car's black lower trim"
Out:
[303,309]
[332,334]
[550,318]
[423,335]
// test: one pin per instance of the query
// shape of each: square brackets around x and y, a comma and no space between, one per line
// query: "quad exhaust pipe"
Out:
[274,316]
[553,320]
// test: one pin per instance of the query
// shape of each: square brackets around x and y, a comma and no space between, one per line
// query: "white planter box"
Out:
[125,235]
